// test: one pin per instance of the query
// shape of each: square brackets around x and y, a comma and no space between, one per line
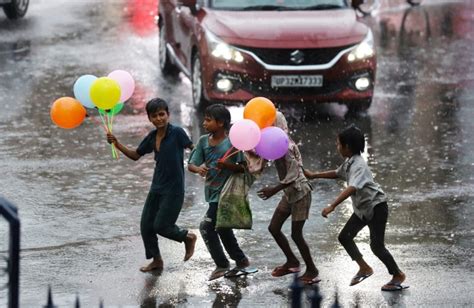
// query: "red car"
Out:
[302,51]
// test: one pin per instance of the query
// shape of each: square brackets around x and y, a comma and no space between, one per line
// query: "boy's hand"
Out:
[202,171]
[111,138]
[221,164]
[266,192]
[327,210]
[308,174]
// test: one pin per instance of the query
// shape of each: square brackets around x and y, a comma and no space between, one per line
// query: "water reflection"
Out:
[396,299]
[228,294]
[420,108]
[147,296]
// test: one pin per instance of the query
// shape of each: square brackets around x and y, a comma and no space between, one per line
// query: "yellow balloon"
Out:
[105,93]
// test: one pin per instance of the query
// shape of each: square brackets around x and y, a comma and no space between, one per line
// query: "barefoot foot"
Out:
[189,244]
[156,264]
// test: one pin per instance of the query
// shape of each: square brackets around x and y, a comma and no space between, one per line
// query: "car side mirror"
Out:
[356,3]
[191,4]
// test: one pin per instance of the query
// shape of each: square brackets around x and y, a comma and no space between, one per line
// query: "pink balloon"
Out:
[244,134]
[273,143]
[126,82]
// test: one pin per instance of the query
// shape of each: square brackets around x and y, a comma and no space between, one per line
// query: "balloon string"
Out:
[105,122]
[97,122]
[111,119]
[109,123]
[229,156]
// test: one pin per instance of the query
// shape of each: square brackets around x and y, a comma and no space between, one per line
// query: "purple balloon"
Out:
[273,143]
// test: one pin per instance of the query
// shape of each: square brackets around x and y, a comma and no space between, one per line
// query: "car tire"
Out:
[16,9]
[359,106]
[196,83]
[166,66]
[368,7]
[414,2]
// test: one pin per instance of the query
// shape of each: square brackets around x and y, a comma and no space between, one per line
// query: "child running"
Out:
[296,202]
[369,204]
[206,161]
[165,198]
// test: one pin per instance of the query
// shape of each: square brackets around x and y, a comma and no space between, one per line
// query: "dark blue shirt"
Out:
[168,177]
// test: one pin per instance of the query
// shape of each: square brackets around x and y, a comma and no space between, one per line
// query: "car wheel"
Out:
[196,81]
[360,106]
[166,66]
[368,6]
[414,2]
[16,9]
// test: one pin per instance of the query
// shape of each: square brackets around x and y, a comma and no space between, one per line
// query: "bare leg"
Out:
[189,244]
[156,264]
[279,217]
[297,236]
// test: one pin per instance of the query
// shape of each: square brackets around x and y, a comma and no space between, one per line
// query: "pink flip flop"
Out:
[282,271]
[310,281]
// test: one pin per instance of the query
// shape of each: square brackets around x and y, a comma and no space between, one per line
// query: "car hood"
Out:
[286,29]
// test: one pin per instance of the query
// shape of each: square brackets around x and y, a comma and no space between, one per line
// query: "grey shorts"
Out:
[298,210]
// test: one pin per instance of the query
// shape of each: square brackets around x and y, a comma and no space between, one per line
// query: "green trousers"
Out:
[159,217]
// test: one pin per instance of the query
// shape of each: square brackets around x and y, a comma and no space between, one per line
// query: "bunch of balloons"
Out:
[255,131]
[106,94]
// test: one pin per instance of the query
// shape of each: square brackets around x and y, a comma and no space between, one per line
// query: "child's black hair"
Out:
[353,137]
[156,104]
[219,113]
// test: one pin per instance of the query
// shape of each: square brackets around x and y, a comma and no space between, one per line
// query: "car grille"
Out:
[284,56]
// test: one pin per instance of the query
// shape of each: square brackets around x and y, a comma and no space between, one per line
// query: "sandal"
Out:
[358,278]
[310,281]
[283,270]
[394,286]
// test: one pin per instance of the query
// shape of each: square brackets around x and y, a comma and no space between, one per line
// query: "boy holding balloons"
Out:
[208,159]
[295,202]
[165,198]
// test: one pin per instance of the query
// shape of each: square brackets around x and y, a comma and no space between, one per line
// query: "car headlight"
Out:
[364,50]
[222,50]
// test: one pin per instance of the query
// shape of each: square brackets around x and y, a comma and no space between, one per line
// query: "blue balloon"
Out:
[81,90]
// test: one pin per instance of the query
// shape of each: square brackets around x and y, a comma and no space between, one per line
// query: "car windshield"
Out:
[277,5]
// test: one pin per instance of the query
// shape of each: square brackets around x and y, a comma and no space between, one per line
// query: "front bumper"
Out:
[250,78]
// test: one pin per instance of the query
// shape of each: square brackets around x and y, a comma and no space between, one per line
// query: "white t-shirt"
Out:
[368,194]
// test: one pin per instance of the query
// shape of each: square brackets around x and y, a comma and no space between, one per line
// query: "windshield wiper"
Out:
[266,8]
[321,7]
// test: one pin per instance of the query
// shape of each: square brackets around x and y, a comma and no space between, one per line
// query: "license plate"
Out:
[290,81]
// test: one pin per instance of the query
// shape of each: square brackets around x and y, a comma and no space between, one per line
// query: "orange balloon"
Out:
[260,110]
[67,112]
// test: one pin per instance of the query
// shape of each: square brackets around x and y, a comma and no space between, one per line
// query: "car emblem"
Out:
[297,57]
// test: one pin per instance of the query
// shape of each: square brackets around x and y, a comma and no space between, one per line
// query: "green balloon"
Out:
[116,109]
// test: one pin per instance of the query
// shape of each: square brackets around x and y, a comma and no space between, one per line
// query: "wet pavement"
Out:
[80,209]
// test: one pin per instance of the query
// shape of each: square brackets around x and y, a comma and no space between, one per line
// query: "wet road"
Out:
[80,209]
